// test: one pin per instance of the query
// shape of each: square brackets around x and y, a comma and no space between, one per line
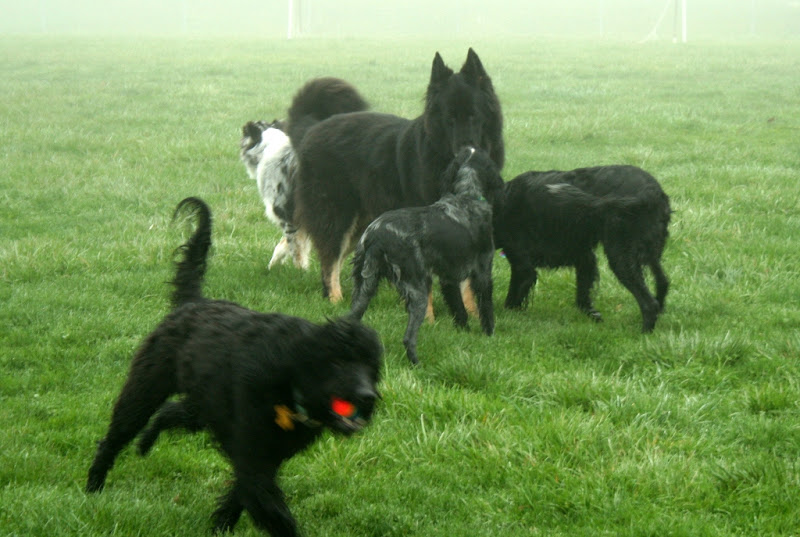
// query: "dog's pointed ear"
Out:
[439,71]
[473,69]
[253,131]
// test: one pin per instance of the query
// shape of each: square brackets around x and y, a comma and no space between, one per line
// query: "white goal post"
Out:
[680,8]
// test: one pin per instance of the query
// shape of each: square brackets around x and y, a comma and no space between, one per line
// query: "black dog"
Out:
[354,167]
[557,218]
[451,238]
[264,385]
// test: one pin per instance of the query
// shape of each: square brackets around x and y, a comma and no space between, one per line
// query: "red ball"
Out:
[343,408]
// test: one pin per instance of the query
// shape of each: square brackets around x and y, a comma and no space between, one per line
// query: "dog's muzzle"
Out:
[352,413]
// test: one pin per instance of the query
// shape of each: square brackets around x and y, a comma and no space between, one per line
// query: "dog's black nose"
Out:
[366,394]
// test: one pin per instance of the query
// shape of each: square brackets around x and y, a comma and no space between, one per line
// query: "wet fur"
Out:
[354,167]
[233,369]
[557,218]
[452,238]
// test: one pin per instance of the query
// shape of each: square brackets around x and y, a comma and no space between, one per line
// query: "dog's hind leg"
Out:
[430,316]
[585,275]
[468,298]
[627,270]
[302,249]
[662,284]
[331,260]
[416,303]
[280,252]
[366,278]
[523,279]
[451,291]
[171,415]
[144,392]
[482,285]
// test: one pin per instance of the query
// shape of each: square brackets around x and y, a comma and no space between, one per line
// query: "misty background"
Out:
[625,19]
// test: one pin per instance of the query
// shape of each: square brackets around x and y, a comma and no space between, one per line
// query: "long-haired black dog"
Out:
[557,218]
[354,167]
[265,385]
[451,238]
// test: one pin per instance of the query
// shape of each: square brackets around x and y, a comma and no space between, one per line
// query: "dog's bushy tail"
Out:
[191,269]
[319,99]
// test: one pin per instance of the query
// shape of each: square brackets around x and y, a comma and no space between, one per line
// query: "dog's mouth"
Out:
[349,417]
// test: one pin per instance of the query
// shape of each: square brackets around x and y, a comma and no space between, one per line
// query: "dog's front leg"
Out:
[228,511]
[259,494]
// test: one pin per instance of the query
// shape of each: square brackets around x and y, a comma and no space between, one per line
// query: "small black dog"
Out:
[264,384]
[557,218]
[451,238]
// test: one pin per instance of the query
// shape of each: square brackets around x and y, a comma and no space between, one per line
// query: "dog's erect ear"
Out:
[252,130]
[439,71]
[473,69]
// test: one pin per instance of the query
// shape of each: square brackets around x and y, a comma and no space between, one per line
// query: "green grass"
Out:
[554,426]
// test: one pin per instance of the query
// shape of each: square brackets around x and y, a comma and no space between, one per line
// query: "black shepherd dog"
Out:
[354,167]
[451,238]
[264,384]
[557,218]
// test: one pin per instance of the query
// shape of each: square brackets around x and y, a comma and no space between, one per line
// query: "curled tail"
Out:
[191,269]
[319,99]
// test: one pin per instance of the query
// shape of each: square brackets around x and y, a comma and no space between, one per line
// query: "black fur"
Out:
[260,383]
[557,218]
[451,238]
[354,167]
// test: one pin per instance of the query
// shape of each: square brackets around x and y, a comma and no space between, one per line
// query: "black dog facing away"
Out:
[354,167]
[451,238]
[557,218]
[265,385]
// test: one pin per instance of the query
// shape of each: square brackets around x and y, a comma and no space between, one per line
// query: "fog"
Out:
[623,19]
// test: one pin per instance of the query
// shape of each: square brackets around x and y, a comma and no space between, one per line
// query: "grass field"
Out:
[554,426]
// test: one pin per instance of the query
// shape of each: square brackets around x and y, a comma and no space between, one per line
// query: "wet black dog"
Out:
[451,238]
[354,167]
[557,218]
[265,385]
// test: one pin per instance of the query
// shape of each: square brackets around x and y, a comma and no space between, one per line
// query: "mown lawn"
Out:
[554,426]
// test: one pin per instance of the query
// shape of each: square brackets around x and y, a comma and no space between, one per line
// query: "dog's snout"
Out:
[366,394]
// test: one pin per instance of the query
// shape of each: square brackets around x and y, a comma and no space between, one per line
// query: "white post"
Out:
[291,20]
[185,16]
[43,16]
[683,22]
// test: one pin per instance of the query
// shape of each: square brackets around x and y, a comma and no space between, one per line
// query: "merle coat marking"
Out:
[451,238]
[269,158]
[260,383]
[557,219]
[354,167]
